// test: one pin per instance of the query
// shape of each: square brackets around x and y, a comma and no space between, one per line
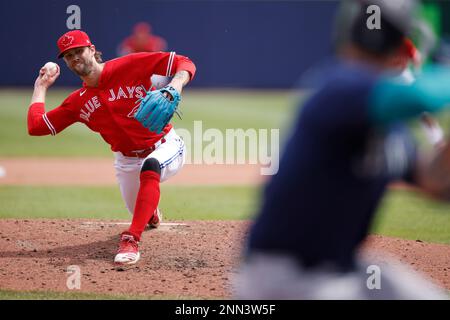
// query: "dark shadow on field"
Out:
[78,254]
[103,250]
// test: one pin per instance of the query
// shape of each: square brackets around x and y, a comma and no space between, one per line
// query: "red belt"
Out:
[145,152]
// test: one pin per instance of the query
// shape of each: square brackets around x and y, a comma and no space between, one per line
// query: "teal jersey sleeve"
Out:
[391,101]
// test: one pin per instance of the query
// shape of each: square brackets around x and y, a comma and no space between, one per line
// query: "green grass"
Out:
[209,203]
[15,140]
[76,295]
[402,214]
[192,203]
[216,109]
[408,215]
[61,202]
[49,295]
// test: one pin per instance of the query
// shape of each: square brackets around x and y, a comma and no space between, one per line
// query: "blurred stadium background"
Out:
[256,44]
[236,44]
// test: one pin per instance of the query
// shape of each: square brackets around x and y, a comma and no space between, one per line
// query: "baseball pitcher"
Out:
[118,101]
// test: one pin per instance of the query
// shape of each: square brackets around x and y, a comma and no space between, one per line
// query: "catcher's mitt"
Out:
[156,110]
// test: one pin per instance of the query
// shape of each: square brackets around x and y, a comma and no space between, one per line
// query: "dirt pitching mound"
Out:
[181,259]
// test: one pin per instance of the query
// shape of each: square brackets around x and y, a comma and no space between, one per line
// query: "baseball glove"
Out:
[156,109]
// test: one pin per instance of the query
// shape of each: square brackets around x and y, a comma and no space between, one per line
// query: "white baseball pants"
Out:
[171,156]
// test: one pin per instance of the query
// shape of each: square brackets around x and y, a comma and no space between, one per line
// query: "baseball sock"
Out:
[146,202]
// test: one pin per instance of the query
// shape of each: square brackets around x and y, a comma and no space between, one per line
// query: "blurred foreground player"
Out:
[348,143]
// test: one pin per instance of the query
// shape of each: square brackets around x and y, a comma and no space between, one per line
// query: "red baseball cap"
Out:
[72,39]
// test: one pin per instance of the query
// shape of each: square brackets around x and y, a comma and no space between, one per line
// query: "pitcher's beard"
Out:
[84,71]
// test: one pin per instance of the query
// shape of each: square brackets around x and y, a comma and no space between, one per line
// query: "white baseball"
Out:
[51,68]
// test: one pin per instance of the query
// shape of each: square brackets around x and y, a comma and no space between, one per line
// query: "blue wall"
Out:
[233,43]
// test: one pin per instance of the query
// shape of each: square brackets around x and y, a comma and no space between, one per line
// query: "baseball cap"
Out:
[72,39]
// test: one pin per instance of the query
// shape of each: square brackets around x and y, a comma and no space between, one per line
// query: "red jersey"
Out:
[109,108]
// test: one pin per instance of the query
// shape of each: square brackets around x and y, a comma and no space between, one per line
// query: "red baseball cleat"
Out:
[128,252]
